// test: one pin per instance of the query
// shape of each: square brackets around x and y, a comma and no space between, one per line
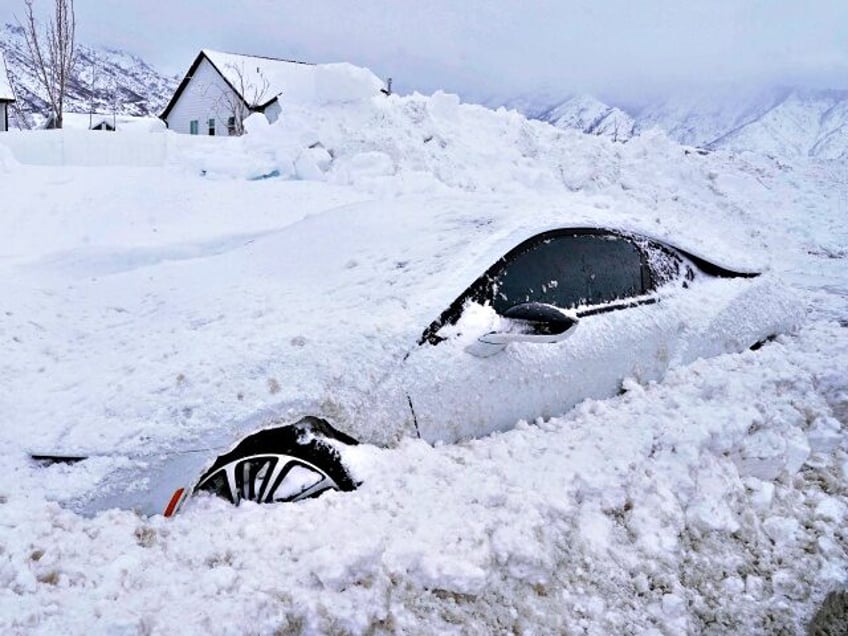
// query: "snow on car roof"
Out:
[432,249]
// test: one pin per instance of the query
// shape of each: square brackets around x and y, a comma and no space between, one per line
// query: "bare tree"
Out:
[22,119]
[53,55]
[249,95]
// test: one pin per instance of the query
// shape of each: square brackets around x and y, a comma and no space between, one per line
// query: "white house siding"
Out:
[206,96]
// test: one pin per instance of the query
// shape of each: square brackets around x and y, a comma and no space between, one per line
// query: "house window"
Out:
[193,126]
[231,126]
[212,126]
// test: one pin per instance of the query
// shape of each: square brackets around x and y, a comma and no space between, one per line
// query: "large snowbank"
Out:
[386,147]
[714,501]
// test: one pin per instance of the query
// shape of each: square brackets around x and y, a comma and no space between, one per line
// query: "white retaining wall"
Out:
[99,148]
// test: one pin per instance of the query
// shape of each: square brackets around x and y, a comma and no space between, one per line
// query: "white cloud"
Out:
[617,48]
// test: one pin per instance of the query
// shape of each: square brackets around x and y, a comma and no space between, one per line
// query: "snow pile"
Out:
[713,501]
[262,79]
[343,82]
[385,147]
[632,513]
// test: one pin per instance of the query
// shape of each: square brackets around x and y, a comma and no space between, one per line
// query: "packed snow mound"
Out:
[641,512]
[343,82]
[391,146]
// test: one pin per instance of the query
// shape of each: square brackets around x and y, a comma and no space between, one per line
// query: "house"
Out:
[113,122]
[6,95]
[82,121]
[221,90]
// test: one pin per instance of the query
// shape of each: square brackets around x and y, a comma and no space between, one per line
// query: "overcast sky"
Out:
[617,49]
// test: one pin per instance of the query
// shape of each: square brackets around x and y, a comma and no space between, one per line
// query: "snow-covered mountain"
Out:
[805,123]
[592,116]
[783,122]
[699,118]
[104,81]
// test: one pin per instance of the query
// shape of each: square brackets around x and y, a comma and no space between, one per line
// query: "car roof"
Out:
[430,250]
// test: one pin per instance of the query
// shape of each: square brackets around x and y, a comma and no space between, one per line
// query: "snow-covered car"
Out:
[437,320]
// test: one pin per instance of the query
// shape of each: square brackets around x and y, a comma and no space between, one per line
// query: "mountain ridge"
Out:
[104,80]
[784,121]
[592,116]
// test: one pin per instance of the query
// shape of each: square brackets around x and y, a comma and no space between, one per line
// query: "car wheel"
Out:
[289,463]
[831,618]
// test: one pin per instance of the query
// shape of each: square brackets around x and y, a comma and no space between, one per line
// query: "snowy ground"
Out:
[713,502]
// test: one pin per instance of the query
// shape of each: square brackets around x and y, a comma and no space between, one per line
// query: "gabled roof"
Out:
[249,74]
[6,93]
[260,80]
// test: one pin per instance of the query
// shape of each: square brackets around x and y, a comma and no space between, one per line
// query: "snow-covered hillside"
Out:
[701,117]
[782,122]
[713,502]
[104,81]
[588,115]
[804,124]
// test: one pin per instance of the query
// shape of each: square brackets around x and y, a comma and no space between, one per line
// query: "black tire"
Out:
[289,463]
[831,619]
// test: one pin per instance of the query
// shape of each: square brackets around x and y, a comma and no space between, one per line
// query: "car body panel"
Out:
[458,395]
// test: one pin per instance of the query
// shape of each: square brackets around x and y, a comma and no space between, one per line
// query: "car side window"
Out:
[571,270]
[567,269]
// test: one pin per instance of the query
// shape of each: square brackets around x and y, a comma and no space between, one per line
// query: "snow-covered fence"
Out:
[98,148]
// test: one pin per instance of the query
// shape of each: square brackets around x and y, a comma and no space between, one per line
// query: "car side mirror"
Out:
[526,322]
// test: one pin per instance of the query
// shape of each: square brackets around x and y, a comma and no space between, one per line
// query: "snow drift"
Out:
[715,500]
